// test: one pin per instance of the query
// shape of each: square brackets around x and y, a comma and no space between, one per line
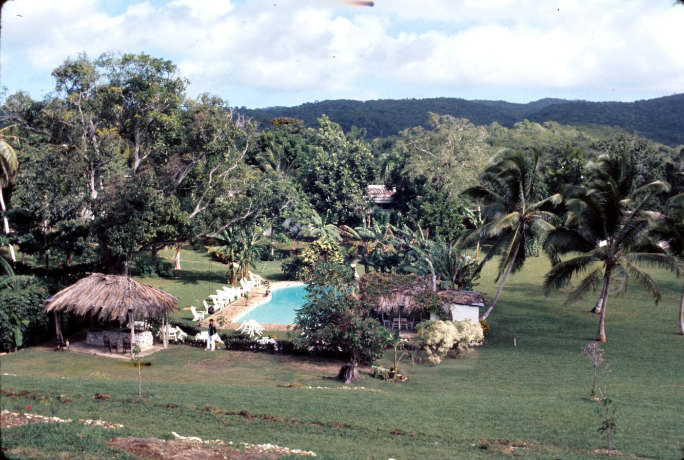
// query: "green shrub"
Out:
[165,269]
[301,266]
[145,269]
[22,320]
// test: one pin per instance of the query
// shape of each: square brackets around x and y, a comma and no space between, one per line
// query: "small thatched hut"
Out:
[112,298]
[407,294]
[463,305]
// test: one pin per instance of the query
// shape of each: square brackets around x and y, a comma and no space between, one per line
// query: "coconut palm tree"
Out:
[513,213]
[670,232]
[606,223]
[9,165]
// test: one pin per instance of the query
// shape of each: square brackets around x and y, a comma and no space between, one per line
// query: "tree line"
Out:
[118,160]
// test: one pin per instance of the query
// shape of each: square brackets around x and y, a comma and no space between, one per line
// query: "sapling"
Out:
[135,351]
[607,413]
[594,352]
[394,340]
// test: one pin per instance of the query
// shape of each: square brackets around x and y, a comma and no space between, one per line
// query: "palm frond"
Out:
[562,273]
[6,267]
[642,278]
[657,260]
[589,283]
[563,241]
[505,223]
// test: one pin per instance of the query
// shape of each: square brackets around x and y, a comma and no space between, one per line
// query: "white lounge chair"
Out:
[204,336]
[246,285]
[255,280]
[197,315]
[251,327]
[174,333]
[231,293]
[218,302]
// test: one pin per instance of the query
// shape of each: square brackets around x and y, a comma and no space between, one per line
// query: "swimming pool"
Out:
[280,309]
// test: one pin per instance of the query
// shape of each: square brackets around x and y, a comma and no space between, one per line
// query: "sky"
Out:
[264,53]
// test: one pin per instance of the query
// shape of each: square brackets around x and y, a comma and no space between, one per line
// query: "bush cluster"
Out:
[22,320]
[439,337]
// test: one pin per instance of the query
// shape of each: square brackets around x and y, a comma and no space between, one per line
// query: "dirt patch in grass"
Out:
[9,420]
[520,448]
[158,449]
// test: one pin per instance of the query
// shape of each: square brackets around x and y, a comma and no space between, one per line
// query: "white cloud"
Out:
[398,48]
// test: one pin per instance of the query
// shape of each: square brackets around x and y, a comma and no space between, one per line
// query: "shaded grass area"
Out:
[500,399]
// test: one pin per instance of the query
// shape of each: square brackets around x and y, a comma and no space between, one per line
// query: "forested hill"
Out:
[660,119]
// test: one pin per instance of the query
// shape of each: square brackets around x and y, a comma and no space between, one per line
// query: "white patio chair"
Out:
[218,301]
[251,327]
[197,315]
[181,334]
[246,285]
[231,293]
[204,336]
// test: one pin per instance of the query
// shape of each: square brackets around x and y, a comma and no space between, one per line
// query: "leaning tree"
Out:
[606,223]
[514,215]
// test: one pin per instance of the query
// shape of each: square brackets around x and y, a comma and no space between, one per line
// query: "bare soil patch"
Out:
[9,420]
[158,449]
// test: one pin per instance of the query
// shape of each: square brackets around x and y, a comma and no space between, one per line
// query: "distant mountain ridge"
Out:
[660,119]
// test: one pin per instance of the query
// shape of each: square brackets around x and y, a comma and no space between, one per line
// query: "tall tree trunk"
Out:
[177,257]
[154,253]
[681,314]
[599,301]
[601,336]
[58,329]
[123,267]
[507,272]
[433,276]
[13,258]
[165,330]
[132,322]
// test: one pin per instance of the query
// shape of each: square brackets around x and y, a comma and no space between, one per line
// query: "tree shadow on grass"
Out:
[198,276]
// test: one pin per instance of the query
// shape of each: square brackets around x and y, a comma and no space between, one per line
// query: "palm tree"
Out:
[229,241]
[512,214]
[607,225]
[250,248]
[9,165]
[670,231]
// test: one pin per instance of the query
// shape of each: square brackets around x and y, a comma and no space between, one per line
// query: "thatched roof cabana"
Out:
[111,298]
[393,292]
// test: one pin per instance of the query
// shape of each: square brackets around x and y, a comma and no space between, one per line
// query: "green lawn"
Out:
[532,395]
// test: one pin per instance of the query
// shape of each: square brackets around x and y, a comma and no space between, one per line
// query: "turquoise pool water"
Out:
[280,309]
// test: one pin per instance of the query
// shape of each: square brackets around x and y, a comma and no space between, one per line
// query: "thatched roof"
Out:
[109,297]
[404,300]
[473,298]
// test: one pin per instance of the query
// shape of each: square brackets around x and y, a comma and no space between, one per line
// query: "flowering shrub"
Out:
[438,337]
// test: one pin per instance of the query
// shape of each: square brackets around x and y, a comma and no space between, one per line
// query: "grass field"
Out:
[500,400]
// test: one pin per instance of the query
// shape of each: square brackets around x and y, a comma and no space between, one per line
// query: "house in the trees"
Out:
[461,305]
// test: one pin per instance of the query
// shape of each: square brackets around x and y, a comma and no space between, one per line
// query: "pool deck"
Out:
[257,296]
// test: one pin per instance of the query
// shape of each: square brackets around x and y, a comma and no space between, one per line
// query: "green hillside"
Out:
[658,119]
